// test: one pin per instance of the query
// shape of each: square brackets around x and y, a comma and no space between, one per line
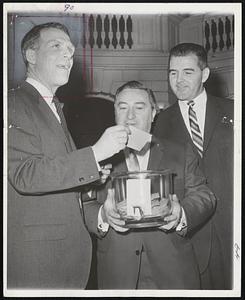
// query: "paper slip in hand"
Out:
[138,138]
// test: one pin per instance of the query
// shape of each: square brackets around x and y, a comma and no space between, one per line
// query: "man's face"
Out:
[186,77]
[51,62]
[133,107]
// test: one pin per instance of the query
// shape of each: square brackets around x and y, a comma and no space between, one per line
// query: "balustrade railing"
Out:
[218,33]
[107,31]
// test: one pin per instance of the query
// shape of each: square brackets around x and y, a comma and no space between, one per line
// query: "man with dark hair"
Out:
[206,122]
[150,258]
[48,244]
[31,39]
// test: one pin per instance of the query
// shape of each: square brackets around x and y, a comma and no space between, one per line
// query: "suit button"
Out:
[81,179]
[137,252]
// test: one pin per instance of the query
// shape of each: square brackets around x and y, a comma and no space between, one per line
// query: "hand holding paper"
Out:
[138,138]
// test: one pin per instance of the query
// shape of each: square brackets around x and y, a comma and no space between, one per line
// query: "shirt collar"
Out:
[43,90]
[200,100]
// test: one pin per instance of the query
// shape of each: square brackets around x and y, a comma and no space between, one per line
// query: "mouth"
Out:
[181,87]
[64,67]
[131,123]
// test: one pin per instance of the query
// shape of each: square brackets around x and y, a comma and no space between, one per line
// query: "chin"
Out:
[62,81]
[182,97]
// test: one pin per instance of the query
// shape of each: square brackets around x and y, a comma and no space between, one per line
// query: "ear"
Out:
[153,114]
[205,74]
[31,56]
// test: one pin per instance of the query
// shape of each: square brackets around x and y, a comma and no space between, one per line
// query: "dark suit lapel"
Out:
[156,155]
[46,113]
[119,163]
[179,125]
[211,119]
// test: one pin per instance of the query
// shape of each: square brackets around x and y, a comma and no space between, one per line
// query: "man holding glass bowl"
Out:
[152,257]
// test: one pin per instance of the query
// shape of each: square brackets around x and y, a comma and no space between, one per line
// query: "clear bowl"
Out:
[143,199]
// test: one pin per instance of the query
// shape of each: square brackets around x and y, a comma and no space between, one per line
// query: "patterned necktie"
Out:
[195,130]
[59,110]
[133,161]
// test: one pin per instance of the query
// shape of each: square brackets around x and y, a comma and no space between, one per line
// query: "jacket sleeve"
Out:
[199,202]
[30,169]
[91,208]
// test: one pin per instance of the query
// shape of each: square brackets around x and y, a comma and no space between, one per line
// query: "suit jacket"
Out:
[217,164]
[170,255]
[48,244]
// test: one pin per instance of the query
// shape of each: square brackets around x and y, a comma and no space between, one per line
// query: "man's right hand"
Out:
[110,215]
[111,142]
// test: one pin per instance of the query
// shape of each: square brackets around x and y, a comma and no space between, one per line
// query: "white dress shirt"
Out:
[199,108]
[46,94]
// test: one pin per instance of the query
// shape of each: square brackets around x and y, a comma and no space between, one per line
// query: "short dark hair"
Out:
[139,86]
[191,48]
[31,38]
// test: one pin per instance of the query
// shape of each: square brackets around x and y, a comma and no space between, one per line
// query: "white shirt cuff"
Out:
[183,223]
[98,166]
[103,226]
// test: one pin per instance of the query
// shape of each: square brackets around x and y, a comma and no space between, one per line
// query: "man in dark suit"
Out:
[206,122]
[150,258]
[48,244]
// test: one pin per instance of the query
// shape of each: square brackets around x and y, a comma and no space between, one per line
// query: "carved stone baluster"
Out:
[129,25]
[221,32]
[84,31]
[91,31]
[107,29]
[122,29]
[214,34]
[207,34]
[228,32]
[84,46]
[91,43]
[99,30]
[114,31]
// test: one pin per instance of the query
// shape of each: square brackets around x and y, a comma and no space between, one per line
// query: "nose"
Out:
[179,77]
[131,114]
[67,52]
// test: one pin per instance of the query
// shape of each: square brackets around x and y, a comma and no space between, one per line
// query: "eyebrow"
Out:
[60,41]
[185,69]
[124,102]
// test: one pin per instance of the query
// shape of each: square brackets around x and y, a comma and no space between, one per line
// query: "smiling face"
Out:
[133,107]
[186,77]
[51,61]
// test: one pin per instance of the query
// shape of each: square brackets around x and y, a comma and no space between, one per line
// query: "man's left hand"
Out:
[173,219]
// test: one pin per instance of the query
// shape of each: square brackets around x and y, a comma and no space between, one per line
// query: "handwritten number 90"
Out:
[68,7]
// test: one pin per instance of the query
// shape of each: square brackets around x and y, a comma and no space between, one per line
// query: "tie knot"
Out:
[130,150]
[191,103]
[56,102]
[133,161]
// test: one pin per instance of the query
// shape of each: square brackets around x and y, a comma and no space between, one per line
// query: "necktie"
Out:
[59,110]
[195,130]
[133,161]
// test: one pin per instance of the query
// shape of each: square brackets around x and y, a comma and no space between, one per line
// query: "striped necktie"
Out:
[195,130]
[59,110]
[133,161]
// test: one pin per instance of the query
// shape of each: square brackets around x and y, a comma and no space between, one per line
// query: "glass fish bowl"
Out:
[143,199]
